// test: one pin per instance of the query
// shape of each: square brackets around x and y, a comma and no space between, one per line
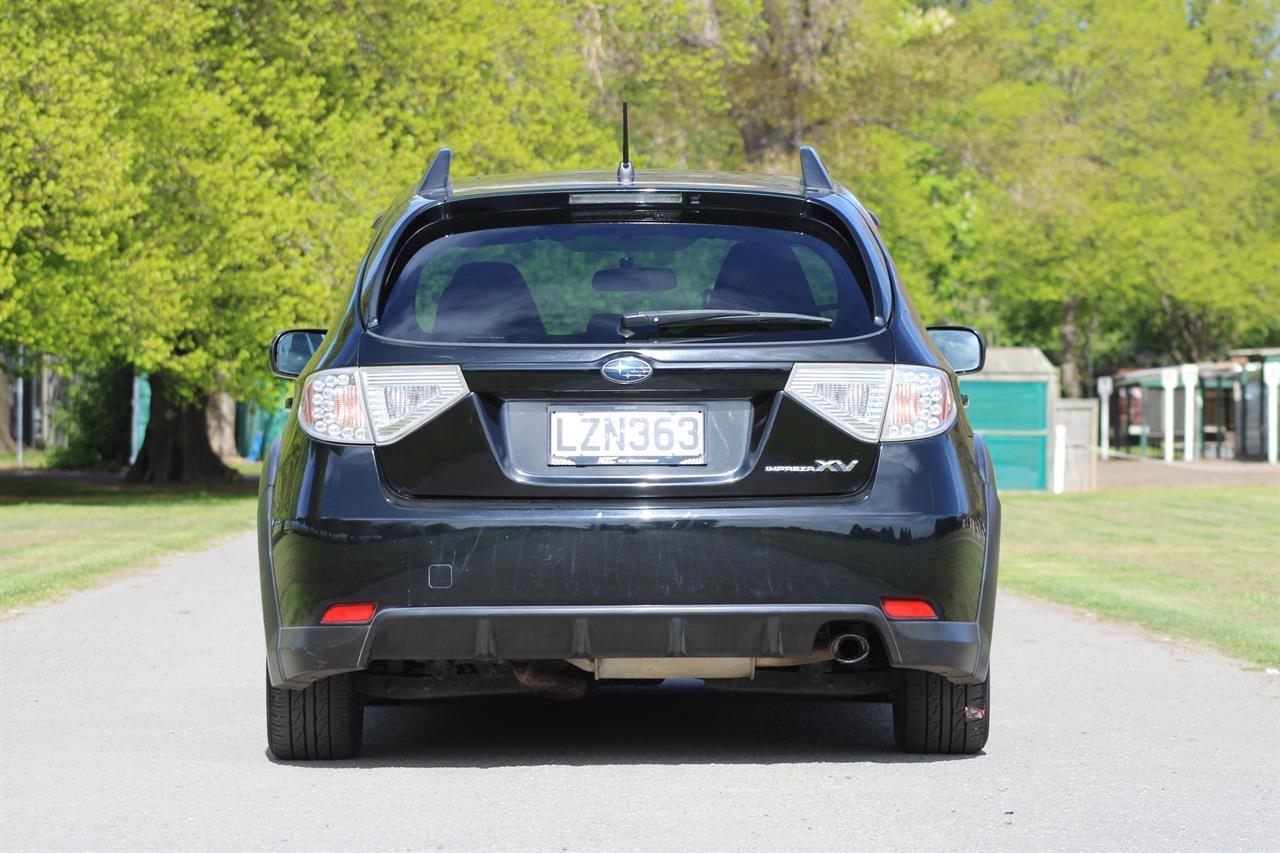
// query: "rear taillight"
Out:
[851,396]
[331,407]
[401,399]
[376,405]
[874,402]
[919,405]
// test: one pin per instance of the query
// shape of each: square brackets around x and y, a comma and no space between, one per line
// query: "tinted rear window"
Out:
[572,282]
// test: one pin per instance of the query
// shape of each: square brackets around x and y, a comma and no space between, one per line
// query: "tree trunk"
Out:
[221,411]
[7,442]
[1071,349]
[176,447]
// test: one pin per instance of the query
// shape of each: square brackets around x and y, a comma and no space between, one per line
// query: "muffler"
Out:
[558,685]
[849,648]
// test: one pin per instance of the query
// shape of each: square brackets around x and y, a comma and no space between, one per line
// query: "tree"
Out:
[182,180]
[671,62]
[66,191]
[1132,204]
[7,443]
[877,86]
[243,143]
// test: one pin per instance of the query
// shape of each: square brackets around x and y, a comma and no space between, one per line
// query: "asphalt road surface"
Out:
[131,718]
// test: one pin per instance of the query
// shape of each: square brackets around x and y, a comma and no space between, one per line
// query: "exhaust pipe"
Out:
[849,648]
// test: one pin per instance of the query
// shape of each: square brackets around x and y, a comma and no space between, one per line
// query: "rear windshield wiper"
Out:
[653,324]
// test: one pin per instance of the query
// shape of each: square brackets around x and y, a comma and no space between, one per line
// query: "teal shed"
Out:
[1011,406]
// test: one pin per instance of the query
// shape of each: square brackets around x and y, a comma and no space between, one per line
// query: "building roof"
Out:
[1241,360]
[1023,361]
[1153,376]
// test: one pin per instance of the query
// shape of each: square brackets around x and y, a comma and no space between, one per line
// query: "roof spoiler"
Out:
[817,179]
[435,183]
[813,174]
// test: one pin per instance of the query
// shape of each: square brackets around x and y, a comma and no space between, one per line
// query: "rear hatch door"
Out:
[617,353]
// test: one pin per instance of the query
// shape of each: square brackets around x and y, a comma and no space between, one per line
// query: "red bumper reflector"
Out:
[908,608]
[349,613]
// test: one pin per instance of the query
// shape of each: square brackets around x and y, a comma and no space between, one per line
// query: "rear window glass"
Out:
[572,282]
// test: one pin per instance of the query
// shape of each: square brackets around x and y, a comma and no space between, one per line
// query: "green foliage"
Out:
[66,193]
[186,179]
[182,179]
[1138,152]
[96,420]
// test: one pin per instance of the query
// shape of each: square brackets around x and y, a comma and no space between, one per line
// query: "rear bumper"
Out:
[564,580]
[952,649]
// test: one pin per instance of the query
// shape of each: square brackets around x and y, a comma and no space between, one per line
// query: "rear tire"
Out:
[321,722]
[933,716]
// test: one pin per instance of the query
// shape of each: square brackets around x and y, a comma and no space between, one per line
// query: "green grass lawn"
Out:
[1200,563]
[30,459]
[58,535]
[1196,563]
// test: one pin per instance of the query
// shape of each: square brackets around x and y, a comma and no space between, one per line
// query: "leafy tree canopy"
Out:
[180,180]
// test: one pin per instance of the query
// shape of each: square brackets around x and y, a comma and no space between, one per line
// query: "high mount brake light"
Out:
[376,405]
[876,402]
[620,197]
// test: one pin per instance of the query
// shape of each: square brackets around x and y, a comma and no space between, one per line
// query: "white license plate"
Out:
[627,437]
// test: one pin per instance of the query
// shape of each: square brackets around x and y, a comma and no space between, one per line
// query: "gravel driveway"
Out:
[131,718]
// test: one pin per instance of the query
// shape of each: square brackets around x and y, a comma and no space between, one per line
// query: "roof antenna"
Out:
[626,172]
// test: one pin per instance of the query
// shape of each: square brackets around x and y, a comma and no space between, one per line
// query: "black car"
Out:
[583,429]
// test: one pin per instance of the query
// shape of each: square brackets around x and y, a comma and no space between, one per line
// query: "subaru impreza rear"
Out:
[580,430]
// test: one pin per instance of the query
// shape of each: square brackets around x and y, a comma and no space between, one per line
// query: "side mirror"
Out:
[962,347]
[292,349]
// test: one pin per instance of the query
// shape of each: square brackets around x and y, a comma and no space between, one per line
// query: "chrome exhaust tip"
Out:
[849,648]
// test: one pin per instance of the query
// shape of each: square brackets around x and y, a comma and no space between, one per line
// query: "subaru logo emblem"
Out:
[627,370]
